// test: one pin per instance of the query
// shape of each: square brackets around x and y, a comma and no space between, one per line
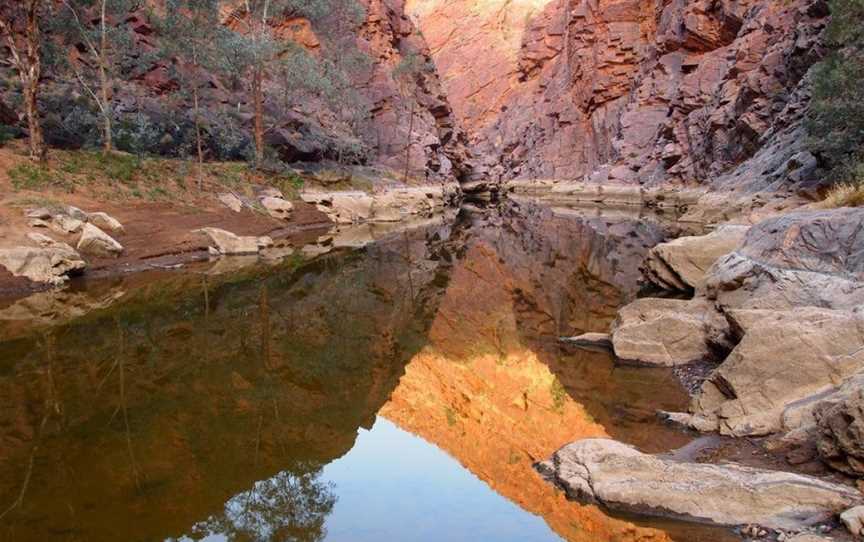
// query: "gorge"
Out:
[431,269]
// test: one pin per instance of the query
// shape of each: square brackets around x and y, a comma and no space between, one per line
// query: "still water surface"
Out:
[368,385]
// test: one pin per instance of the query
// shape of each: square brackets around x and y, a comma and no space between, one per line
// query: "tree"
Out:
[836,120]
[20,26]
[408,74]
[106,39]
[254,20]
[193,36]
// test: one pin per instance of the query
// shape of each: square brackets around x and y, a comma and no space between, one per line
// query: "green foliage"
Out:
[836,120]
[35,177]
[114,166]
[289,183]
[8,133]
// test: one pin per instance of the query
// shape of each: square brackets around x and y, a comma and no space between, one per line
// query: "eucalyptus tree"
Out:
[408,74]
[193,37]
[100,27]
[262,51]
[20,28]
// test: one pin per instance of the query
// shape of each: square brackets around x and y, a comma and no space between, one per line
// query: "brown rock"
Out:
[668,331]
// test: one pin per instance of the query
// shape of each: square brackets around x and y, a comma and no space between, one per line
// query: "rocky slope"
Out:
[151,113]
[635,91]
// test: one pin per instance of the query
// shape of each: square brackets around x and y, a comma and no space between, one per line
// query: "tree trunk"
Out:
[105,83]
[34,126]
[258,104]
[408,146]
[198,136]
[29,68]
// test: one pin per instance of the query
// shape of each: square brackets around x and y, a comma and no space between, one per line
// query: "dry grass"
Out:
[844,195]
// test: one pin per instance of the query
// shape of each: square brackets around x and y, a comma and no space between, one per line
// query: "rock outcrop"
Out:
[783,357]
[669,332]
[840,440]
[391,205]
[811,258]
[639,91]
[228,243]
[681,264]
[621,477]
[105,221]
[791,294]
[98,243]
[51,264]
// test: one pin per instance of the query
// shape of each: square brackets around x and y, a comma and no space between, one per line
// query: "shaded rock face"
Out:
[813,258]
[841,433]
[628,91]
[438,147]
[621,477]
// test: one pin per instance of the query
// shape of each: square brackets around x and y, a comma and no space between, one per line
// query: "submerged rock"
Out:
[592,340]
[621,477]
[669,331]
[98,243]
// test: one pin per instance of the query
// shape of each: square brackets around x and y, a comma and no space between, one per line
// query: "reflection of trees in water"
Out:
[291,506]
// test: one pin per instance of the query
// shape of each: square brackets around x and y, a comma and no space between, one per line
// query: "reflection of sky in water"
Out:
[395,486]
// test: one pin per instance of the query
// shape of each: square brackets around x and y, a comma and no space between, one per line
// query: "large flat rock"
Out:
[622,478]
[681,264]
[668,332]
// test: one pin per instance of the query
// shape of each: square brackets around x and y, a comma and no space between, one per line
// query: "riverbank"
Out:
[763,323]
[158,207]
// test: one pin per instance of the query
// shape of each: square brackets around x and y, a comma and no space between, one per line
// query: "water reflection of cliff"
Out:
[202,403]
[138,420]
[482,389]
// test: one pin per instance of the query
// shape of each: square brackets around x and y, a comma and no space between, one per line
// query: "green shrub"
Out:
[836,120]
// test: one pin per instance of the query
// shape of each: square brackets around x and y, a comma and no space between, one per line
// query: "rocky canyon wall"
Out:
[419,116]
[634,91]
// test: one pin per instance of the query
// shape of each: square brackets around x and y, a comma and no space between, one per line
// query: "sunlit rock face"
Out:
[476,47]
[632,91]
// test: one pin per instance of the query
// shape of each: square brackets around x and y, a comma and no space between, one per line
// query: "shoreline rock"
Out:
[229,244]
[622,478]
[669,332]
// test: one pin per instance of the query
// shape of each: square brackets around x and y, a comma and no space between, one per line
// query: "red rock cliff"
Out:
[629,90]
